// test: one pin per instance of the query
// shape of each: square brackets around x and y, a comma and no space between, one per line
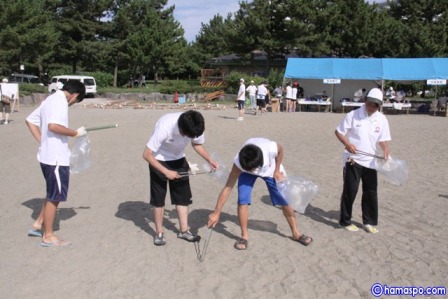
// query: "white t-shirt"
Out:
[294,93]
[289,92]
[364,132]
[53,149]
[262,91]
[166,142]
[242,93]
[270,152]
[252,89]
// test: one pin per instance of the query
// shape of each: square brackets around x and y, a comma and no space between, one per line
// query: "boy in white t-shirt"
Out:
[165,153]
[49,126]
[258,158]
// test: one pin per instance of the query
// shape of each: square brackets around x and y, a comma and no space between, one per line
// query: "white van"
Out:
[58,81]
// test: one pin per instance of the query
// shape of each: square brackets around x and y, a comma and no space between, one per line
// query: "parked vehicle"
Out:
[57,82]
[24,78]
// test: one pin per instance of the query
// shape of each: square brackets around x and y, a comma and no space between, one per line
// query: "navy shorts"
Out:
[180,190]
[240,105]
[57,180]
[246,183]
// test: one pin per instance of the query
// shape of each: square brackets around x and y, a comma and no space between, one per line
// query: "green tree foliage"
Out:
[426,26]
[80,25]
[28,36]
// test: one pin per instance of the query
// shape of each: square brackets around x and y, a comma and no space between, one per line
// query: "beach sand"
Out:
[110,224]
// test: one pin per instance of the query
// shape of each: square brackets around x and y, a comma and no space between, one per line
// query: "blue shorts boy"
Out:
[57,181]
[246,183]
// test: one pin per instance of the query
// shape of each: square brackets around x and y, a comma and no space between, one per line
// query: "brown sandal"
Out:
[241,242]
[304,240]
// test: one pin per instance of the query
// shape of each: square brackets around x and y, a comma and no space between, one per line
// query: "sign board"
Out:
[22,67]
[332,81]
[436,82]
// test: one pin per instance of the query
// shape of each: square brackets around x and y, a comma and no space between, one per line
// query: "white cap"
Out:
[252,81]
[241,80]
[391,88]
[375,95]
[5,80]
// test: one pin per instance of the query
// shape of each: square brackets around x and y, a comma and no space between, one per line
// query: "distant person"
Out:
[252,90]
[5,105]
[324,95]
[390,95]
[361,132]
[258,158]
[241,98]
[165,154]
[288,96]
[49,126]
[359,95]
[262,92]
[294,97]
[441,103]
[400,96]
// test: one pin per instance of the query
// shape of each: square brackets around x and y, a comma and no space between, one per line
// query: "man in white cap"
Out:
[360,132]
[240,99]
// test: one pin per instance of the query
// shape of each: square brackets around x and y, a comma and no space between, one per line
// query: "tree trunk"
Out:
[115,75]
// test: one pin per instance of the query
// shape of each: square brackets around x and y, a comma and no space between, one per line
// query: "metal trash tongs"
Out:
[189,173]
[201,256]
[370,155]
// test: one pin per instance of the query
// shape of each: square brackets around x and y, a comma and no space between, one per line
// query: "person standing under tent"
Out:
[165,154]
[49,126]
[241,98]
[361,131]
[288,96]
[252,90]
[258,158]
[294,97]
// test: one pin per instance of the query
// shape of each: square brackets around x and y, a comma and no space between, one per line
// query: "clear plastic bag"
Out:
[80,155]
[298,192]
[395,170]
[222,173]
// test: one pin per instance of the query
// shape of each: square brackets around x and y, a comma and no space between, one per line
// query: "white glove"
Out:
[81,131]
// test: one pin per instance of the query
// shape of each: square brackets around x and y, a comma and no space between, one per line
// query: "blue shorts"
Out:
[246,183]
[57,179]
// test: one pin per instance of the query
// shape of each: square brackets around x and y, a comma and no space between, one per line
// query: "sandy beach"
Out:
[109,221]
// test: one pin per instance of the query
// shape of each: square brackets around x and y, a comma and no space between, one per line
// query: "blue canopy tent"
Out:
[356,73]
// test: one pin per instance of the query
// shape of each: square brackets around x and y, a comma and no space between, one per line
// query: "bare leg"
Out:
[243,217]
[182,213]
[40,219]
[158,219]
[288,212]
[49,214]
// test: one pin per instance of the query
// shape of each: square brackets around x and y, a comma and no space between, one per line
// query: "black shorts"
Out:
[261,103]
[180,191]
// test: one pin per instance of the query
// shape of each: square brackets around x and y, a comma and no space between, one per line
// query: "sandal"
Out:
[241,242]
[304,240]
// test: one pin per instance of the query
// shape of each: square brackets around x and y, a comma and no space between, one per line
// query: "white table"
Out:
[396,106]
[351,104]
[327,104]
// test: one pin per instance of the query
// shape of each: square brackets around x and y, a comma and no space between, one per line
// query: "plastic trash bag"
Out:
[298,192]
[80,155]
[222,173]
[395,170]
